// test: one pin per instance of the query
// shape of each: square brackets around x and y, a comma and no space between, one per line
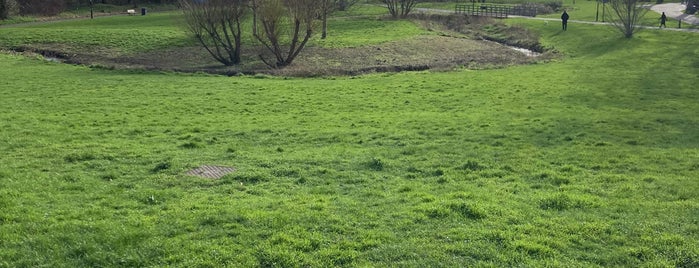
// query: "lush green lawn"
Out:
[590,160]
[121,34]
[132,34]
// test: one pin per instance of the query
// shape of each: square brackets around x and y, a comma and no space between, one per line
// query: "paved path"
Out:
[608,23]
[676,11]
[672,10]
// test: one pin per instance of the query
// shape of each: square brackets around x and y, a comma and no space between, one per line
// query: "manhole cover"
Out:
[211,172]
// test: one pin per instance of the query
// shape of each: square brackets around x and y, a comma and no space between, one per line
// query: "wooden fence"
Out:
[495,10]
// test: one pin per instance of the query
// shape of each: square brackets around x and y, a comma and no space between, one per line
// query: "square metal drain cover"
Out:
[211,172]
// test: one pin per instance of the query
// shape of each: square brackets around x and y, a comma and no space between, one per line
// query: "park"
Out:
[424,141]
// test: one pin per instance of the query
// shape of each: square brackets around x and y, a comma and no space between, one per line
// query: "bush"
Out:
[42,7]
[551,7]
[8,8]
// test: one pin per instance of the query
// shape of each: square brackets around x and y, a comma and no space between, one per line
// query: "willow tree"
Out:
[627,15]
[284,27]
[400,8]
[216,24]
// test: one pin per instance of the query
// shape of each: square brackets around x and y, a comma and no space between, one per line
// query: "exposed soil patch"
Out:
[419,53]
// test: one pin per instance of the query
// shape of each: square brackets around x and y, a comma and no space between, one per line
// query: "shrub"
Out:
[42,7]
[550,7]
[8,8]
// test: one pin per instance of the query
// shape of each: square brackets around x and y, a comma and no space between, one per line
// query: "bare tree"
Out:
[400,8]
[216,24]
[294,17]
[627,15]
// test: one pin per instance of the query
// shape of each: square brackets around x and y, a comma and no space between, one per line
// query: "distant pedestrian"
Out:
[663,18]
[564,19]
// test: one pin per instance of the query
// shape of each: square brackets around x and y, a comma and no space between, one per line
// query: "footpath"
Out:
[672,10]
[676,11]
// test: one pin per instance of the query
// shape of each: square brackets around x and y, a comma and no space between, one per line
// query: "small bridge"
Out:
[495,10]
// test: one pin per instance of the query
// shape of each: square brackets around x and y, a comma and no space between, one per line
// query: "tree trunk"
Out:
[324,34]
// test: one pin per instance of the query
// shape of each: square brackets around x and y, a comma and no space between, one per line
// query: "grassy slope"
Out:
[118,34]
[589,161]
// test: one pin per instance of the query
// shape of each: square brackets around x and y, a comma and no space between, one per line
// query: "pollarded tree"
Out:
[216,24]
[627,15]
[276,17]
[400,8]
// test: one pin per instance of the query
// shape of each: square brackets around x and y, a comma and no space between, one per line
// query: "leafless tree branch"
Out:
[216,24]
[626,15]
[292,16]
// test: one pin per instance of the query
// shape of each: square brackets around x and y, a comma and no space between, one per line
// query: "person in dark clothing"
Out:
[564,19]
[663,18]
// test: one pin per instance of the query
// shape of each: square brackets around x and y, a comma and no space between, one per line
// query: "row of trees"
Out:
[52,7]
[282,27]
[397,8]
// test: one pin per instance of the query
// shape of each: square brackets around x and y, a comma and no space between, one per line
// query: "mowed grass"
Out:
[119,34]
[590,160]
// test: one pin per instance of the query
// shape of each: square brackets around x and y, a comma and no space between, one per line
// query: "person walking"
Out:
[663,18]
[564,19]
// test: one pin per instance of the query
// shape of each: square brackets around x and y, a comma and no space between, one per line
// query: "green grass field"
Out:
[586,161]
